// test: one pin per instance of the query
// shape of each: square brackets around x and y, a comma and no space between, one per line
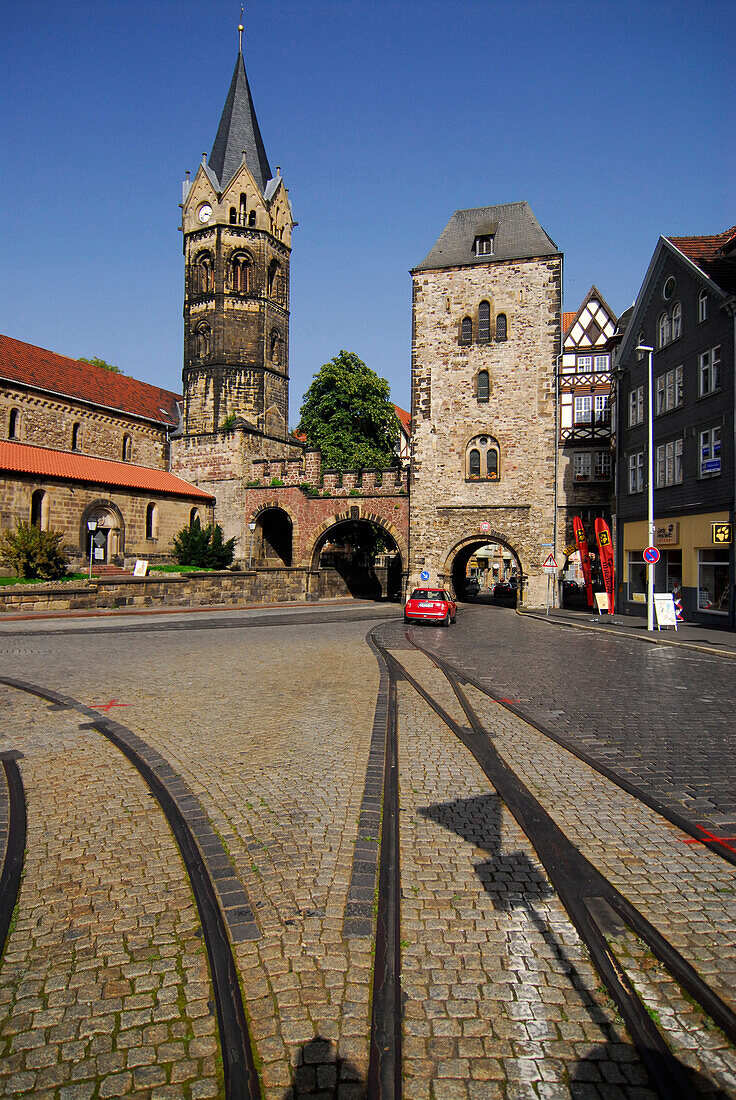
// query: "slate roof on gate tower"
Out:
[517,235]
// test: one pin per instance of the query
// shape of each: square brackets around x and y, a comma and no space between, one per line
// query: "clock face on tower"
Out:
[205,212]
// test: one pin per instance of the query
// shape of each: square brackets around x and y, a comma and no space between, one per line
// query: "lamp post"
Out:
[650,484]
[252,527]
[91,527]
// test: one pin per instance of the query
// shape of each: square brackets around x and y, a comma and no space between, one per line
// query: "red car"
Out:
[430,605]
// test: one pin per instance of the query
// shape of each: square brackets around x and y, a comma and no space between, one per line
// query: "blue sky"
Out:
[615,121]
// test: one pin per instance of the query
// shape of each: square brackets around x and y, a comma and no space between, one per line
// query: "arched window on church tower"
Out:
[127,449]
[252,219]
[274,280]
[274,349]
[466,331]
[484,321]
[13,420]
[501,327]
[202,340]
[204,279]
[75,437]
[240,273]
[243,217]
[233,216]
[484,385]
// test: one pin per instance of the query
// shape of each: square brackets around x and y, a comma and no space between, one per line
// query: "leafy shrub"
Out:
[228,422]
[203,547]
[33,552]
[277,483]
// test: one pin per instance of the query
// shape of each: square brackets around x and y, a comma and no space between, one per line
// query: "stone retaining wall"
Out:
[273,585]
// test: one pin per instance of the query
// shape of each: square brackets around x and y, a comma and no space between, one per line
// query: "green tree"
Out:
[101,363]
[347,414]
[203,547]
[33,552]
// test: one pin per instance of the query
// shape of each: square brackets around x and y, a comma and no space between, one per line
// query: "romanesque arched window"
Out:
[40,509]
[127,448]
[233,216]
[75,437]
[194,516]
[243,209]
[274,280]
[501,327]
[484,386]
[484,321]
[466,331]
[202,340]
[240,273]
[274,347]
[252,219]
[204,274]
[152,521]
[13,422]
[482,459]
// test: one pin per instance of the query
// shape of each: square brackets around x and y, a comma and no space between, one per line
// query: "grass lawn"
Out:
[6,581]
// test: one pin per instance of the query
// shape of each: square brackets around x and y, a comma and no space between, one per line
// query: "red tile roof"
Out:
[567,320]
[714,255]
[45,370]
[404,418]
[41,462]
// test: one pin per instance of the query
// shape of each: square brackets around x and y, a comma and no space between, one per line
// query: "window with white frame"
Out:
[636,472]
[483,245]
[636,406]
[601,362]
[601,407]
[703,306]
[585,362]
[583,410]
[581,466]
[664,330]
[709,463]
[668,464]
[602,466]
[668,391]
[709,372]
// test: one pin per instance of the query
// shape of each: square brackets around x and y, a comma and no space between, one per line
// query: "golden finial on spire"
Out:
[240,31]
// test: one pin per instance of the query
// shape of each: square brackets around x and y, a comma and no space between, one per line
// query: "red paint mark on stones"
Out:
[509,700]
[710,836]
[108,706]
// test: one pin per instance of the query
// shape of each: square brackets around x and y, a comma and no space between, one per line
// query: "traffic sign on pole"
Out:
[549,565]
[651,555]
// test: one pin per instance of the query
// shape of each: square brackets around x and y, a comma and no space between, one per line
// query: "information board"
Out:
[664,608]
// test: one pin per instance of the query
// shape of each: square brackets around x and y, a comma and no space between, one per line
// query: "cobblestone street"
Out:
[266,731]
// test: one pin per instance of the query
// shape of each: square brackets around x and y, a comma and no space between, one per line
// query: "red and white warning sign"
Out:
[549,565]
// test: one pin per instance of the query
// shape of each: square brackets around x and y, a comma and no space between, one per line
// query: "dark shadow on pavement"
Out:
[321,1075]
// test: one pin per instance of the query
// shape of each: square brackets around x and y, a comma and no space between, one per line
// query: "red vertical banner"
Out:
[603,535]
[582,544]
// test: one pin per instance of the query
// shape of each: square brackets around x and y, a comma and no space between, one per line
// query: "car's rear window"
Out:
[428,594]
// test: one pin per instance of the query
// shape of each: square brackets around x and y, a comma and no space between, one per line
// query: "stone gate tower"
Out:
[237,223]
[486,331]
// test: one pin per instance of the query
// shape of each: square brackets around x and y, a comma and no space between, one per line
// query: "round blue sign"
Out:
[651,555]
[424,575]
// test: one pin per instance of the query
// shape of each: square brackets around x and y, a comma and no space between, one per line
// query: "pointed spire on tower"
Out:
[238,131]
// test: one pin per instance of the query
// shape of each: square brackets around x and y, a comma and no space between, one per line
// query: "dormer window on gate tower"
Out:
[483,245]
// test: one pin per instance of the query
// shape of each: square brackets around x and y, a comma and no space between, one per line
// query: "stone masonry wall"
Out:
[70,503]
[47,422]
[446,506]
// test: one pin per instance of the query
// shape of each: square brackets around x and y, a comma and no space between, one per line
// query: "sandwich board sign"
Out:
[664,607]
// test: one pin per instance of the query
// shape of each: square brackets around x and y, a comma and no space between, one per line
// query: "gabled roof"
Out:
[593,324]
[722,245]
[42,462]
[44,370]
[567,320]
[239,132]
[517,235]
[715,255]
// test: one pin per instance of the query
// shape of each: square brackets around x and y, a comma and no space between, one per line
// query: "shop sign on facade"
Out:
[668,534]
[721,534]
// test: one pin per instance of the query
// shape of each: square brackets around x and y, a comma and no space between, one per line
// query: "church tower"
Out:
[237,223]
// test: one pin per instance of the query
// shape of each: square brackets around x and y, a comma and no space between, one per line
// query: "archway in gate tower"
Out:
[359,558]
[485,568]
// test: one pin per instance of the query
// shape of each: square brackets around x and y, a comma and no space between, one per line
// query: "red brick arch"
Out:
[345,516]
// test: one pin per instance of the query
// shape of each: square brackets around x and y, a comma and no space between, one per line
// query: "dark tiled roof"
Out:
[238,132]
[715,255]
[45,370]
[22,458]
[516,233]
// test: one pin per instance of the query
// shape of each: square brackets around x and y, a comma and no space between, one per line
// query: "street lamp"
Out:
[252,526]
[650,484]
[91,527]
